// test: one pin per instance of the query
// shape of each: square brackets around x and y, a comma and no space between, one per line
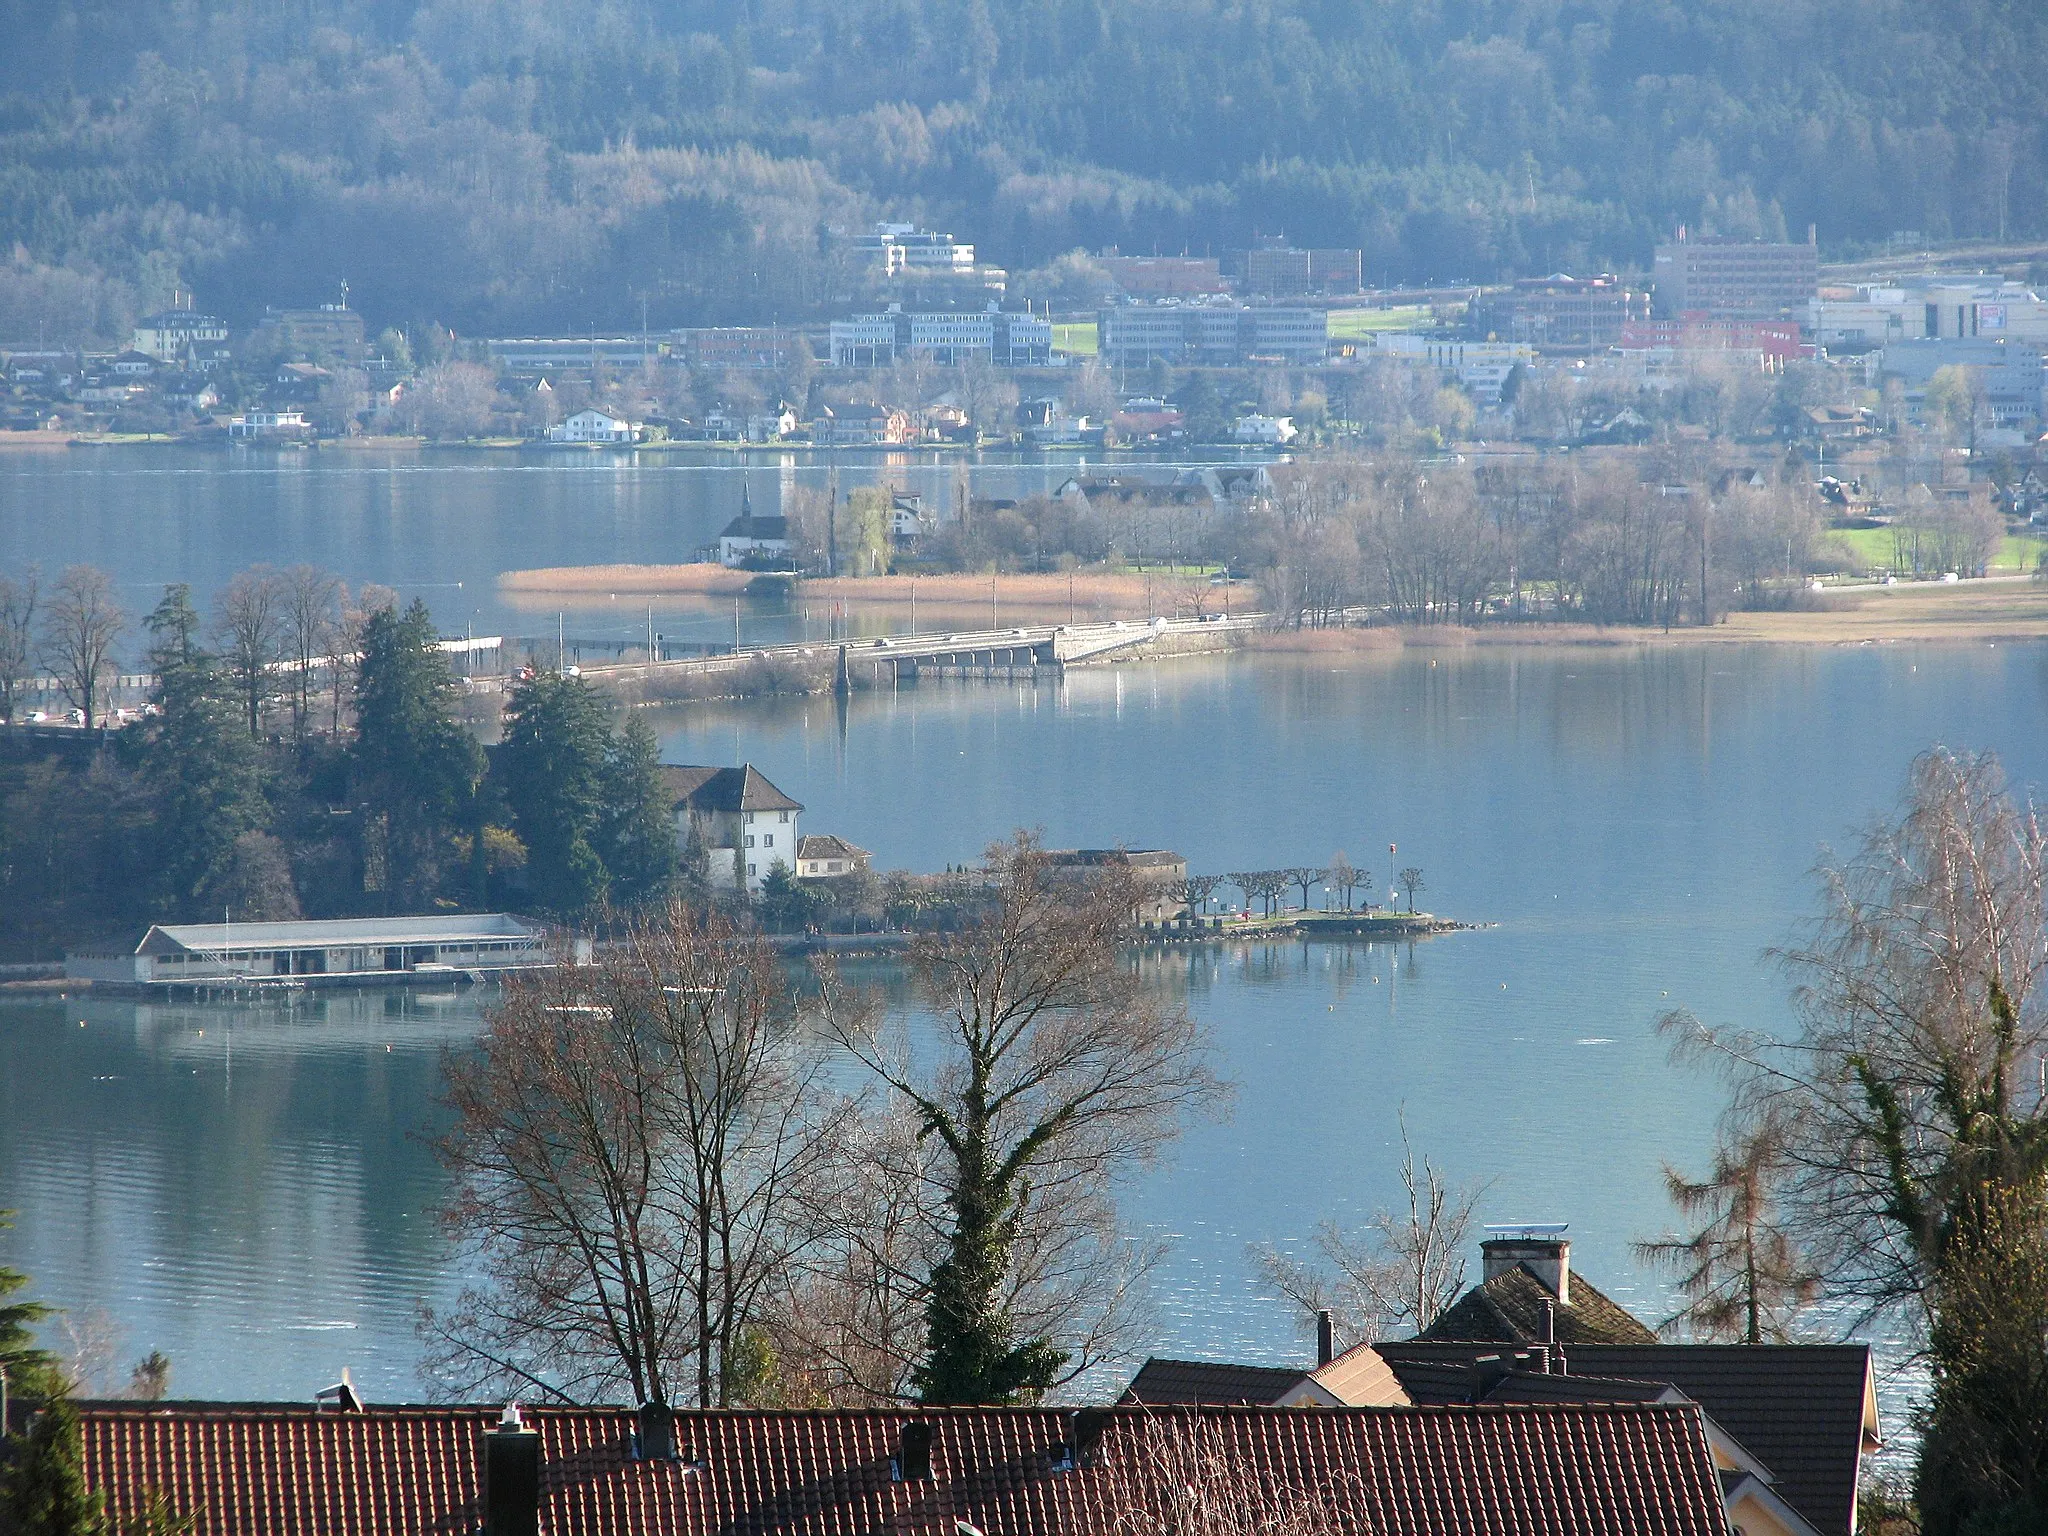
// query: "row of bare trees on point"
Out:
[1270,887]
[282,636]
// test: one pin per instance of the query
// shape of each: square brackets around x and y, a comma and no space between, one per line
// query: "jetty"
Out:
[1025,650]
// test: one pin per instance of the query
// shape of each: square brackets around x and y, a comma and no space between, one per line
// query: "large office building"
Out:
[2009,374]
[1560,313]
[1210,335]
[540,354]
[1273,269]
[946,336]
[1723,278]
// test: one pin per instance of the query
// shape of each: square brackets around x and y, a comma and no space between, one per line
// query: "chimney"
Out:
[657,1426]
[1543,1250]
[914,1452]
[511,1477]
[1326,1338]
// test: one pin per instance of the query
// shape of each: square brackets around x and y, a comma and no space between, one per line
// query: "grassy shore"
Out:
[1975,611]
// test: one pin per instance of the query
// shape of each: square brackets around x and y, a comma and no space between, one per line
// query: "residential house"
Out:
[755,542]
[1788,1426]
[1273,431]
[270,424]
[863,424]
[1492,1469]
[591,425]
[744,824]
[1144,417]
[133,365]
[767,425]
[828,858]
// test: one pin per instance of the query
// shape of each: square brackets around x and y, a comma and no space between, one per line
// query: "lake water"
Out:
[247,1188]
[443,525]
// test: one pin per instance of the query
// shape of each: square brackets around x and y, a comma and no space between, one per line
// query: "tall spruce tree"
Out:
[635,833]
[414,767]
[204,772]
[552,763]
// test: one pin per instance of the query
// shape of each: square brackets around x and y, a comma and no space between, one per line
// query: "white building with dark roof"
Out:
[743,823]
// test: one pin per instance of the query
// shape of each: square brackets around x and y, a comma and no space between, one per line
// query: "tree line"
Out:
[308,751]
[690,158]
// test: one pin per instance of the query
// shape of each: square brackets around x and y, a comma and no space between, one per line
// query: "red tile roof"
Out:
[1550,1470]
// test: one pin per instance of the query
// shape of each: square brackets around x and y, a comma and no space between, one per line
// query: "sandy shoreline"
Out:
[1085,595]
[1974,611]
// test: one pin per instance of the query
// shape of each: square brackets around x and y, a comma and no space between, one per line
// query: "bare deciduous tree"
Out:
[312,628]
[81,626]
[632,1137]
[1306,879]
[17,636]
[1194,892]
[1346,877]
[1412,882]
[249,625]
[1915,1120]
[1401,1269]
[1055,1072]
[356,612]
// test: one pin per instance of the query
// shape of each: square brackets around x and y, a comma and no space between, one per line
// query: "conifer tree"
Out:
[43,1490]
[635,833]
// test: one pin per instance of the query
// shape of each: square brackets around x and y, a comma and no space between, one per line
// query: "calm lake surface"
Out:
[443,525]
[247,1188]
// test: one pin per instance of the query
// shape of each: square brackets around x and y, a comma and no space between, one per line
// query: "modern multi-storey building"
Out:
[896,249]
[531,354]
[1210,335]
[947,336]
[1560,313]
[1274,269]
[1725,278]
[331,331]
[1166,277]
[2009,374]
[1481,366]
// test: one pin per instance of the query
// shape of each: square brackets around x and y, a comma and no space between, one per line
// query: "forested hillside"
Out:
[515,164]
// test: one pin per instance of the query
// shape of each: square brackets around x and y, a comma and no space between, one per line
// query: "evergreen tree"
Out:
[42,1490]
[553,765]
[635,833]
[414,767]
[203,770]
[31,1372]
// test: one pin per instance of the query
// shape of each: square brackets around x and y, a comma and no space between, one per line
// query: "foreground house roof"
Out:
[1189,1383]
[272,1470]
[1807,1411]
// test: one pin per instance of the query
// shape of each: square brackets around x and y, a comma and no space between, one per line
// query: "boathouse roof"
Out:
[331,933]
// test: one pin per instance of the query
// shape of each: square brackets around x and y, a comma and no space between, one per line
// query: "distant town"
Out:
[1272,347]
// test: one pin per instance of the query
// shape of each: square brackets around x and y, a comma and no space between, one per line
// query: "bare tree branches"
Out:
[249,626]
[1057,1072]
[1400,1270]
[310,605]
[632,1139]
[81,626]
[17,636]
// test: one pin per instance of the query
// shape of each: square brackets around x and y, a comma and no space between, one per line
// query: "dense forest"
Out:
[511,165]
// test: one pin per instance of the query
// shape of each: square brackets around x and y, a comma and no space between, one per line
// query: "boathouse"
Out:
[334,951]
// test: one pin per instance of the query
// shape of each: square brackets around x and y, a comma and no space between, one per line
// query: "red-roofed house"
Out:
[1633,1469]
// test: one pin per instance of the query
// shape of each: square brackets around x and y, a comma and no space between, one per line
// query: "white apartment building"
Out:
[1482,367]
[947,336]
